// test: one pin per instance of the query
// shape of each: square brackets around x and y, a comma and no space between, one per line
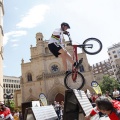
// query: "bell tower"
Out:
[39,38]
[1,49]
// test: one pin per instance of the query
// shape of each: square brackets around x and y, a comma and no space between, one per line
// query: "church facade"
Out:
[45,73]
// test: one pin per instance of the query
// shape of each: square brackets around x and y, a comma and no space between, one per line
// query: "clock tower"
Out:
[1,49]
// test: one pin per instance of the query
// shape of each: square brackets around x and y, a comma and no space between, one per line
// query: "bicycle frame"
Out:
[75,57]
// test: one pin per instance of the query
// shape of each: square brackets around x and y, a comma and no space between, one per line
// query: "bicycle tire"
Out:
[90,40]
[67,81]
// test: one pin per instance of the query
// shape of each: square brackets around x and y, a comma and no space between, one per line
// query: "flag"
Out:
[96,87]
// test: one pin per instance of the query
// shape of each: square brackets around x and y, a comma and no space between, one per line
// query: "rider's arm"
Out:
[2,116]
[93,112]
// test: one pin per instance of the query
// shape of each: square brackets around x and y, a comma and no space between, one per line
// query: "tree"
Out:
[108,84]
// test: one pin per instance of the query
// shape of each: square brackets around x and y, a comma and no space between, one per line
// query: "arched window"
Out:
[29,77]
[46,50]
[82,68]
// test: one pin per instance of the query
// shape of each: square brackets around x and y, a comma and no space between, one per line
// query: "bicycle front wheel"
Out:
[74,84]
[92,46]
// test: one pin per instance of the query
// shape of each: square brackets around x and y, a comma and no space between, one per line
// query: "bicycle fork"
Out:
[75,69]
[75,57]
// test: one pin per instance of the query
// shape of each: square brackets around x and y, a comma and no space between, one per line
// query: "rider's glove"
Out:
[65,32]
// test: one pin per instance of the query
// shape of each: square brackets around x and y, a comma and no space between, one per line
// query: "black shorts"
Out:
[54,48]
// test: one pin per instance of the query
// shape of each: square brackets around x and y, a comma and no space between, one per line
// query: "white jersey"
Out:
[57,37]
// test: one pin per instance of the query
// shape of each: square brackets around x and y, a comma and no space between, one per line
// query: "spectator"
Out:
[110,108]
[62,109]
[93,97]
[116,94]
[108,95]
[88,94]
[16,115]
[5,112]
[57,109]
[20,116]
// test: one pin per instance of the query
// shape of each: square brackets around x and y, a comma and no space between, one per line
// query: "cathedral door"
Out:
[59,97]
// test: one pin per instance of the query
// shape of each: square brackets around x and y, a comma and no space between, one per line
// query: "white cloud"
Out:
[13,35]
[15,45]
[14,40]
[33,17]
[16,8]
[4,66]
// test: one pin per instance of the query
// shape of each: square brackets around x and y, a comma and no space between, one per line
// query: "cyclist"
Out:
[56,45]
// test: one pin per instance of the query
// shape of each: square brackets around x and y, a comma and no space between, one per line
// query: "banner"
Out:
[96,87]
[43,100]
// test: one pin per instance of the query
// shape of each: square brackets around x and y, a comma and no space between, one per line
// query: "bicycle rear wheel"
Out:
[77,84]
[92,46]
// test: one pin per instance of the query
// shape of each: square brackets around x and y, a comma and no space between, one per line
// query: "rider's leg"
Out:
[65,57]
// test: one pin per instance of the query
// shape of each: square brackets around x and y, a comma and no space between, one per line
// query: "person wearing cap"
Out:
[56,45]
[5,112]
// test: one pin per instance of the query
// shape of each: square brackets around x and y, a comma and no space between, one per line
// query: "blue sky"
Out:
[87,18]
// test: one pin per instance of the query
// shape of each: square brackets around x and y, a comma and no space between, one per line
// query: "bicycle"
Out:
[74,79]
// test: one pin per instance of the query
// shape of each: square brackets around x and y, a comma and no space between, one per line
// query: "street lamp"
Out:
[8,96]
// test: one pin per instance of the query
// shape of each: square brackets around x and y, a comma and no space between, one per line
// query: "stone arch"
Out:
[54,91]
[31,98]
[29,76]
[59,97]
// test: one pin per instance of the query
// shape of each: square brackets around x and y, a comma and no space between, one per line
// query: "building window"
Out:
[29,77]
[46,50]
[96,71]
[115,56]
[114,51]
[113,66]
[11,85]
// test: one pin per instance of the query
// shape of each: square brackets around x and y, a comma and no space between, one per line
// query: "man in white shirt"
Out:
[56,45]
[116,94]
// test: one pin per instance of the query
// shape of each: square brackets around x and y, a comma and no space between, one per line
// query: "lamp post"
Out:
[8,96]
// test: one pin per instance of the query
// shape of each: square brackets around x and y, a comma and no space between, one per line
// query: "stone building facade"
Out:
[45,73]
[1,49]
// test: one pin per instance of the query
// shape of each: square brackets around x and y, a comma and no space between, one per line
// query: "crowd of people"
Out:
[6,114]
[107,104]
